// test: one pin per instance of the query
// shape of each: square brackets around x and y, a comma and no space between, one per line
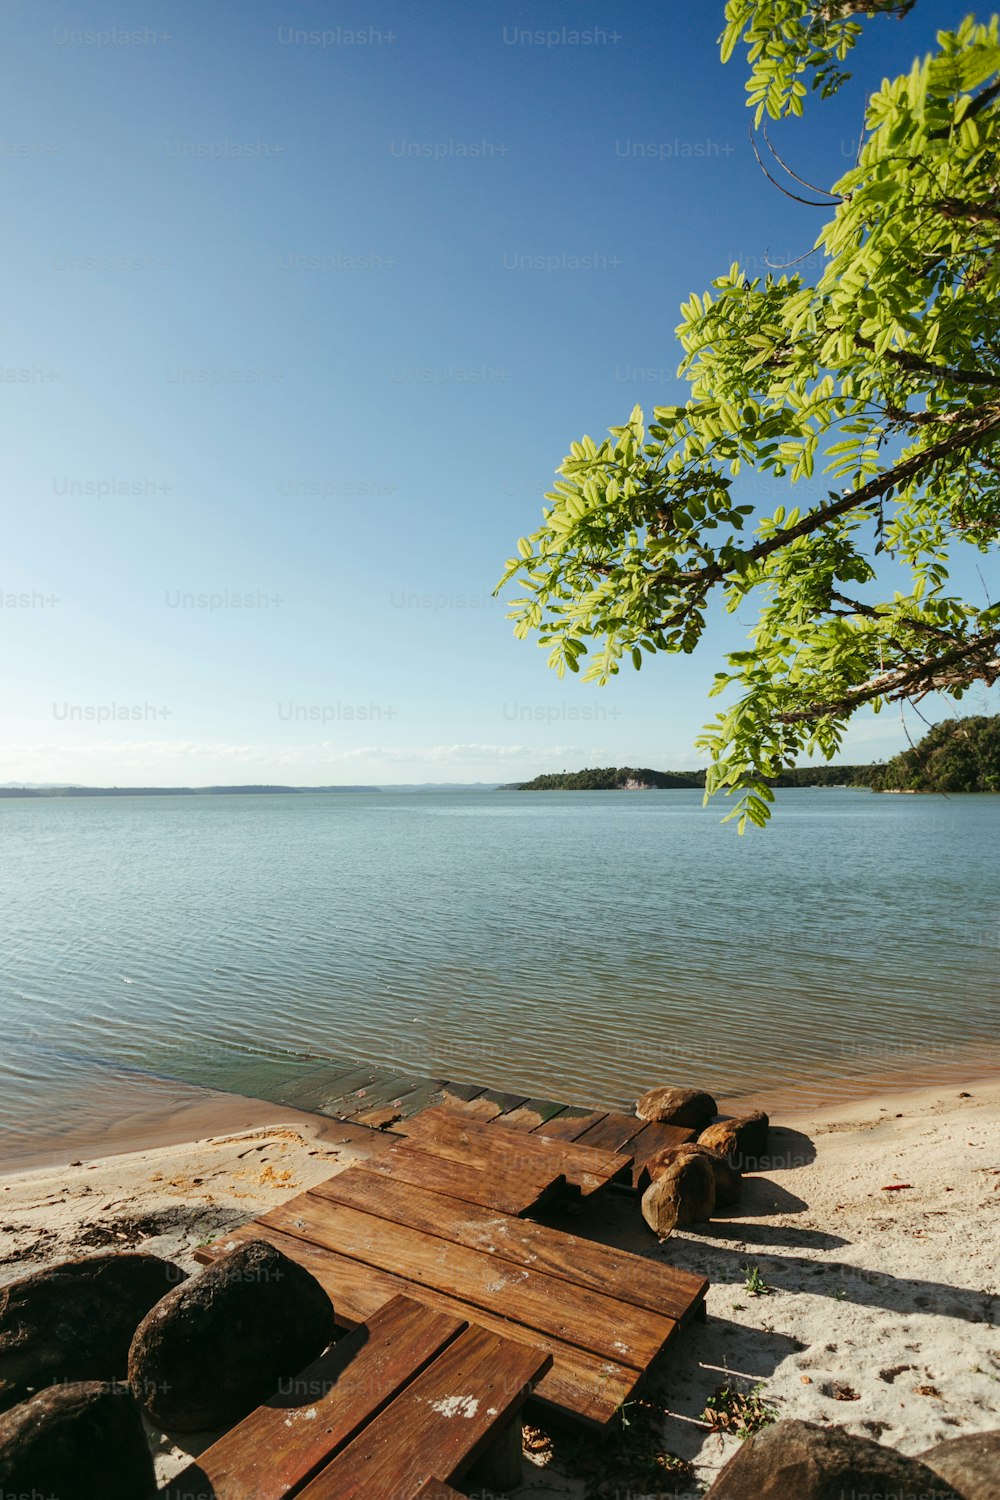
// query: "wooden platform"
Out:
[369,1234]
[379,1099]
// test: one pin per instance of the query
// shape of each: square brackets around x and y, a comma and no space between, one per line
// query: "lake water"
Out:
[569,945]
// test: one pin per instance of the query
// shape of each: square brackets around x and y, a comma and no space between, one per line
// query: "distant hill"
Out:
[957,755]
[610,779]
[169,791]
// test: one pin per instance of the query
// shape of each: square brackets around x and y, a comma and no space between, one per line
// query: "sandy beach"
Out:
[875,1239]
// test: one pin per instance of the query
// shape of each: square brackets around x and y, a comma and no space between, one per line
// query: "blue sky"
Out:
[297,328]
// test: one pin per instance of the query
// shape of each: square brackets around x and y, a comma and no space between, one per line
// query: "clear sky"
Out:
[304,304]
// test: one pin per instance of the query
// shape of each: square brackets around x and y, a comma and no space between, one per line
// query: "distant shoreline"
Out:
[173,791]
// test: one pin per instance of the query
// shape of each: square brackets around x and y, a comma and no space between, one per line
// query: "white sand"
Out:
[884,1308]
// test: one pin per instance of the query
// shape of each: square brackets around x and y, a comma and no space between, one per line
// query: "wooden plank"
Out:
[612,1133]
[614,1273]
[387,1091]
[601,1324]
[504,1101]
[448,1134]
[284,1443]
[580,1387]
[463,1092]
[436,1489]
[424,1431]
[571,1123]
[480,1108]
[506,1192]
[531,1114]
[652,1138]
[323,1096]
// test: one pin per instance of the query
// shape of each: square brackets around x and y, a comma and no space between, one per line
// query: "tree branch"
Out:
[927,676]
[920,366]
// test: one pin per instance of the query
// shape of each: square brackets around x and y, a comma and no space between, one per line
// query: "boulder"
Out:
[743,1141]
[683,1194]
[728,1182]
[83,1441]
[75,1321]
[676,1107]
[801,1460]
[217,1346]
[970,1464]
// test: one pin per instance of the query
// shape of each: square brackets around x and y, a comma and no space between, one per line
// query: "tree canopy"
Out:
[960,755]
[883,375]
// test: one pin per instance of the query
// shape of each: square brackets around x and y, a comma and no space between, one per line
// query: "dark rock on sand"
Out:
[217,1346]
[75,1321]
[743,1140]
[728,1182]
[665,1106]
[83,1441]
[970,1464]
[801,1460]
[683,1194]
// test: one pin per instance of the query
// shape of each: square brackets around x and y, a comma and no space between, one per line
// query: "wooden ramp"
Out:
[372,1233]
[388,1102]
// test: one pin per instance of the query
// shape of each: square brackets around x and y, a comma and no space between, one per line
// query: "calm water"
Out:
[571,945]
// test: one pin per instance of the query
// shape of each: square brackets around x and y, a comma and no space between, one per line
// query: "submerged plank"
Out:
[647,1284]
[531,1114]
[579,1387]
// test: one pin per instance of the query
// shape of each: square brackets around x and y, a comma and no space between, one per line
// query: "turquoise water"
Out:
[571,945]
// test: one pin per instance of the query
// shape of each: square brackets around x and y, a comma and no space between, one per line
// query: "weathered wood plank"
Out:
[612,1133]
[652,1138]
[531,1114]
[502,1191]
[448,1134]
[614,1273]
[504,1101]
[384,1091]
[423,1432]
[570,1123]
[580,1387]
[463,1092]
[603,1325]
[284,1443]
[480,1108]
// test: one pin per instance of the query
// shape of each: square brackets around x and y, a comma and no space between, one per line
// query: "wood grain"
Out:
[440,1424]
[284,1443]
[617,1274]
[506,1191]
[603,1325]
[579,1388]
[450,1135]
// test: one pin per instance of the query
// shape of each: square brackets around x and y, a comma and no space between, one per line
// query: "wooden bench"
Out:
[409,1396]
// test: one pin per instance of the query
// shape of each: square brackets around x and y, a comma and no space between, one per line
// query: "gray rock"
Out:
[75,1321]
[683,1194]
[970,1464]
[666,1106]
[215,1348]
[83,1441]
[800,1461]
